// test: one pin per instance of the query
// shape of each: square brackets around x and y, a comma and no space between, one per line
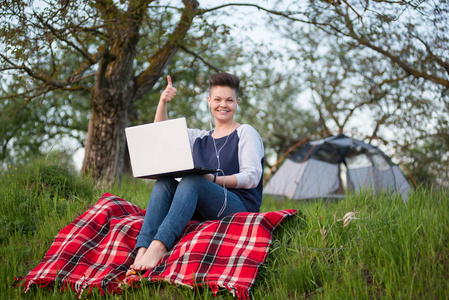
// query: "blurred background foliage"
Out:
[375,70]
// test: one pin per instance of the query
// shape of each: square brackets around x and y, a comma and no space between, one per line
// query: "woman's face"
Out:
[223,103]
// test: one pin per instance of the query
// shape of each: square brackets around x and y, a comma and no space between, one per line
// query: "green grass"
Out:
[391,250]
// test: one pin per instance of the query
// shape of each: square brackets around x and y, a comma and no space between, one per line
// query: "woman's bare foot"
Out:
[139,255]
[151,257]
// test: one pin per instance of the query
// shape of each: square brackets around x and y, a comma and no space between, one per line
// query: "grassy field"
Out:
[388,249]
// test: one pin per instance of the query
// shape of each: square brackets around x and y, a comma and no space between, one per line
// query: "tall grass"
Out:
[388,249]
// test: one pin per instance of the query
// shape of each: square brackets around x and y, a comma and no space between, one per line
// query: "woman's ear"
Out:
[208,100]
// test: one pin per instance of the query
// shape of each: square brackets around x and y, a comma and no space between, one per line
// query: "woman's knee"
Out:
[191,181]
[193,185]
[164,188]
[165,183]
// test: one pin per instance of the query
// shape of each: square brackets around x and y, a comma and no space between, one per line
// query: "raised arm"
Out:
[167,95]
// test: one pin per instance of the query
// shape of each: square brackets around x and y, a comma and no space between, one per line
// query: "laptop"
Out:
[162,149]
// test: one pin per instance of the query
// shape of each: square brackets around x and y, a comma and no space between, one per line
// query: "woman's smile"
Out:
[223,103]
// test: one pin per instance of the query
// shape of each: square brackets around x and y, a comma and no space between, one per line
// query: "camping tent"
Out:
[325,168]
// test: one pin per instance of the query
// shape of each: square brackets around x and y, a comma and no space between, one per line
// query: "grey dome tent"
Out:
[326,168]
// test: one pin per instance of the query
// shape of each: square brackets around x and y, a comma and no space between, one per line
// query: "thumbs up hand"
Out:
[170,92]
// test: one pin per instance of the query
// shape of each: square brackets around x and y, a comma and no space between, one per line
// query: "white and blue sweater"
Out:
[242,156]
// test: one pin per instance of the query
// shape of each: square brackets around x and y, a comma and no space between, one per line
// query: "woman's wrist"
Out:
[215,178]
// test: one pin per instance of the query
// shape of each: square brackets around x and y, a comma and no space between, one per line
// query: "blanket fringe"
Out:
[214,287]
[112,288]
[116,287]
[241,292]
[41,283]
[17,280]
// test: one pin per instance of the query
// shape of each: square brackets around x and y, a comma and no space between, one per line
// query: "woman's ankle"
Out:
[158,245]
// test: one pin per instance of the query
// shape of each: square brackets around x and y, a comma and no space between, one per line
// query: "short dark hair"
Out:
[225,79]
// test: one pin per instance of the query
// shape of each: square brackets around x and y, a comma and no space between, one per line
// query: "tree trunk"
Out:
[117,87]
[105,142]
[112,97]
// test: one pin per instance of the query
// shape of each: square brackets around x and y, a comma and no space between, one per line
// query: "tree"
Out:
[28,127]
[65,114]
[401,31]
[113,51]
[103,38]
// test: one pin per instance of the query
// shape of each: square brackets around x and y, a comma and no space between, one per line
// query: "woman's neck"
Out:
[224,129]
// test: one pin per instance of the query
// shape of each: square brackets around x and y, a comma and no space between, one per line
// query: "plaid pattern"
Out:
[96,250]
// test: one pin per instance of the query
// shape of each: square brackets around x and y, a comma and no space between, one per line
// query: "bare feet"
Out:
[139,255]
[148,258]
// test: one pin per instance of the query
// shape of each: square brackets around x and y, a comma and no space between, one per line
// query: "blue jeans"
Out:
[172,205]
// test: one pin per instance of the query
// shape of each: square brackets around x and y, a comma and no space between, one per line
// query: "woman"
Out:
[237,150]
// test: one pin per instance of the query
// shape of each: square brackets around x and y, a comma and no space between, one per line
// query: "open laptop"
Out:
[162,149]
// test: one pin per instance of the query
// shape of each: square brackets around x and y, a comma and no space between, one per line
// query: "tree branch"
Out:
[107,8]
[439,61]
[30,72]
[200,58]
[402,64]
[95,58]
[159,60]
[287,15]
[65,85]
[60,37]
[382,120]
[394,59]
[22,94]
[359,17]
[386,81]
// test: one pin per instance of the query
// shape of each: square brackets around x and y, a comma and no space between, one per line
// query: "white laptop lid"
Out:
[159,148]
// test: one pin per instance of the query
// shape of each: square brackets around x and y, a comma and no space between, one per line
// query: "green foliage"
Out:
[272,107]
[427,161]
[387,249]
[33,191]
[368,66]
[29,128]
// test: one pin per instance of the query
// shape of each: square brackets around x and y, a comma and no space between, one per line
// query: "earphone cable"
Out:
[217,153]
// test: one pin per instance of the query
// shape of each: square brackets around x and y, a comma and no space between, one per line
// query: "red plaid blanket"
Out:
[96,250]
